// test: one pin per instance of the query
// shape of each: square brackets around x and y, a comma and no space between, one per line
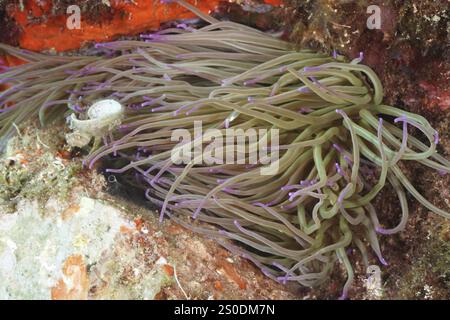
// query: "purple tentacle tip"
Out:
[402,118]
[161,216]
[338,169]
[343,297]
[312,69]
[381,230]
[335,54]
[338,148]
[305,110]
[347,159]
[384,262]
[304,182]
[303,89]
[436,137]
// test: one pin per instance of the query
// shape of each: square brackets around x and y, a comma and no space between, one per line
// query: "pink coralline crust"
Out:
[435,95]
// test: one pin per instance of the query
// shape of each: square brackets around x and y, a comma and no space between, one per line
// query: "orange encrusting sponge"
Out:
[129,17]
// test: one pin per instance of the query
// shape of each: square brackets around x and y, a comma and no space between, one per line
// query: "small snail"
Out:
[102,116]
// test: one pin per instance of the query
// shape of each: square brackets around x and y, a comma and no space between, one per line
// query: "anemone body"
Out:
[334,134]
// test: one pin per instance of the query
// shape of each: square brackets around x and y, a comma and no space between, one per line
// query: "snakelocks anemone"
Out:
[334,143]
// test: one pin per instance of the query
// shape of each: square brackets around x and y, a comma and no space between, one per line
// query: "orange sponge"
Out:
[128,17]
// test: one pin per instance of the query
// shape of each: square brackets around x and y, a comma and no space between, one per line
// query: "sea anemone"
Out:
[337,144]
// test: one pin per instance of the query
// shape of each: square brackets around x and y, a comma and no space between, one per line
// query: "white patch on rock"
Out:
[34,245]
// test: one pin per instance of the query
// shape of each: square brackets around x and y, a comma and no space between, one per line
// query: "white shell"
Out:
[103,116]
[105,109]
